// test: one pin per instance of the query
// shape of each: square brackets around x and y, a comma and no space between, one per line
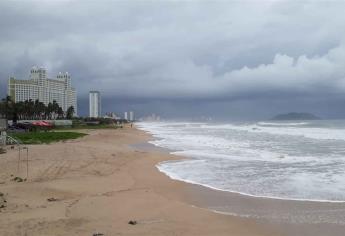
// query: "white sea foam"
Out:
[315,133]
[162,168]
[282,123]
[260,160]
[249,155]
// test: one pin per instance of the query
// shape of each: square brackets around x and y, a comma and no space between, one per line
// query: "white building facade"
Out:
[94,104]
[39,87]
[131,116]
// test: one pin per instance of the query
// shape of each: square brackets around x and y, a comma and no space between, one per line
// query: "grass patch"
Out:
[46,137]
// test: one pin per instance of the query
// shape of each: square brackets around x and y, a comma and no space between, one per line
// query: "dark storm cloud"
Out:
[209,52]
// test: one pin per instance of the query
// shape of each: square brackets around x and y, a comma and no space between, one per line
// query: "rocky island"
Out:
[296,116]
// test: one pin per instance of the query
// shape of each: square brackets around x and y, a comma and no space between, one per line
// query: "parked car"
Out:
[15,129]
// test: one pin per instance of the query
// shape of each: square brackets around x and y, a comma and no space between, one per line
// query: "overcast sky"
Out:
[229,59]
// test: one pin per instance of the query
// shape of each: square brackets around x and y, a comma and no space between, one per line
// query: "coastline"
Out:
[246,194]
[98,183]
[286,216]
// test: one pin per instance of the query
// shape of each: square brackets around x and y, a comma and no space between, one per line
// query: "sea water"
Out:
[297,160]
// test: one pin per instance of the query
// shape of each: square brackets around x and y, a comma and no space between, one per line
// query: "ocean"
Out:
[297,160]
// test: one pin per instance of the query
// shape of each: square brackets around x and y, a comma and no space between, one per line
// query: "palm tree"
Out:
[60,113]
[32,110]
[50,109]
[2,108]
[29,109]
[41,109]
[36,109]
[20,109]
[70,112]
[8,107]
[55,108]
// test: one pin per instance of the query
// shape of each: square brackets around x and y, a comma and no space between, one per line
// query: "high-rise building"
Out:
[39,87]
[126,115]
[95,104]
[111,115]
[131,116]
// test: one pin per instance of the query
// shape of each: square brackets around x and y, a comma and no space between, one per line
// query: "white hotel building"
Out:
[38,86]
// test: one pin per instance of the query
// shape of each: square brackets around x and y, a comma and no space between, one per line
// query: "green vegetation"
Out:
[69,112]
[36,110]
[33,110]
[93,123]
[46,137]
[86,126]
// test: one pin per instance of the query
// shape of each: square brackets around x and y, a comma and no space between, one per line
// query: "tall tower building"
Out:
[131,116]
[126,115]
[95,104]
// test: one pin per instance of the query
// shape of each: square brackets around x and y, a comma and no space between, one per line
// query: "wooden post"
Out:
[27,163]
[18,167]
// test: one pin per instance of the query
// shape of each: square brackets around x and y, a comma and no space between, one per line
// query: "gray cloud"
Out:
[177,52]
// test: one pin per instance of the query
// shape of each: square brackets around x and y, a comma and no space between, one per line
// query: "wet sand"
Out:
[98,183]
[288,217]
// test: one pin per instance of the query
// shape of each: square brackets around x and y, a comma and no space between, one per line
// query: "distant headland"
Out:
[296,116]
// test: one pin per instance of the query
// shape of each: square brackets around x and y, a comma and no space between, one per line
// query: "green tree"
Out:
[70,112]
[55,108]
[7,108]
[31,110]
[60,113]
[49,110]
[28,110]
[20,110]
[41,110]
[2,108]
[37,109]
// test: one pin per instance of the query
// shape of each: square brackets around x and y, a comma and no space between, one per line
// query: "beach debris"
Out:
[52,199]
[97,234]
[2,150]
[2,201]
[18,179]
[132,222]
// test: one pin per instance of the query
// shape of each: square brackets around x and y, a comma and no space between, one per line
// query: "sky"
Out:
[184,59]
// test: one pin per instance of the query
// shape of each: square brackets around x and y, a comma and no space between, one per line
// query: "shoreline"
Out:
[98,183]
[181,158]
[307,217]
[246,194]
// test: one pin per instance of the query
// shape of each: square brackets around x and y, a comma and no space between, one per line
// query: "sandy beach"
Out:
[97,184]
